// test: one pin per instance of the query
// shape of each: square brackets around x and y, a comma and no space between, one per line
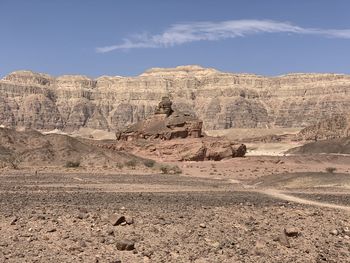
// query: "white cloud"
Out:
[179,34]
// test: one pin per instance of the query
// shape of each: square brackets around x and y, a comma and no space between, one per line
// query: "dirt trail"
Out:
[278,194]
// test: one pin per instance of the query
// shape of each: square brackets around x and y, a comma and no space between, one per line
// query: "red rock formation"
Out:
[165,124]
[175,136]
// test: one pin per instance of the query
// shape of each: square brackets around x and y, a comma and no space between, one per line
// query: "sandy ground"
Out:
[251,167]
[243,134]
[87,133]
[252,139]
[270,149]
[234,134]
[253,209]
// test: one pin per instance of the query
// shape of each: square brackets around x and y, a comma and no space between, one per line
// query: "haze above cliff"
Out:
[221,100]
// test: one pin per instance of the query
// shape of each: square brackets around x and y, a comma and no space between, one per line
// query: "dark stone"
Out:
[125,245]
[13,220]
[116,219]
[291,232]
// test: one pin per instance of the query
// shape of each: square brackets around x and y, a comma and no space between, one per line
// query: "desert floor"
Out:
[253,209]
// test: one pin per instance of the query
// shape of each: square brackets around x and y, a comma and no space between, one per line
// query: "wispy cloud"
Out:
[179,34]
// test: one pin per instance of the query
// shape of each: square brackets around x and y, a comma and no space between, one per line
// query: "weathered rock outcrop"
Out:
[221,100]
[165,124]
[336,127]
[174,136]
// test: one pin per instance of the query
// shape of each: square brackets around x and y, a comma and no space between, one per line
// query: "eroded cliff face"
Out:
[221,100]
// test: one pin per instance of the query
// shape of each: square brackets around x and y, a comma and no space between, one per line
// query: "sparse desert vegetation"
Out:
[149,163]
[170,169]
[72,164]
[131,163]
[330,169]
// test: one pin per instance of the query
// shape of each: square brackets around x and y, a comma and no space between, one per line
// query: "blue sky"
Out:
[110,37]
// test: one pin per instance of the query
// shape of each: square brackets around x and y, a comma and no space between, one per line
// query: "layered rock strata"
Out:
[221,100]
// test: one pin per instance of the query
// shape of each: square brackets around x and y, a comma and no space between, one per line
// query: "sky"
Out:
[111,37]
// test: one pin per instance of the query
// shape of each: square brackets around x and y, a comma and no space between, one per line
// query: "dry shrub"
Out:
[149,163]
[119,165]
[170,169]
[72,164]
[131,163]
[331,170]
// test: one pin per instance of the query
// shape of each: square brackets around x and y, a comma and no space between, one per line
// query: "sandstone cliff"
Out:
[221,100]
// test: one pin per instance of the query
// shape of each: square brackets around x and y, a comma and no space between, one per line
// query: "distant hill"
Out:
[336,146]
[31,148]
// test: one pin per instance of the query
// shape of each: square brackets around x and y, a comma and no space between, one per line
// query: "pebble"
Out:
[82,243]
[50,230]
[40,217]
[83,210]
[125,244]
[116,219]
[202,225]
[334,232]
[109,241]
[110,232]
[82,215]
[129,220]
[283,239]
[291,232]
[101,240]
[212,243]
[13,220]
[3,244]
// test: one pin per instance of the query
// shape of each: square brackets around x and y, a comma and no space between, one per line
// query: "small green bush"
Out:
[177,169]
[131,163]
[331,170]
[72,164]
[119,165]
[149,163]
[164,169]
[14,165]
